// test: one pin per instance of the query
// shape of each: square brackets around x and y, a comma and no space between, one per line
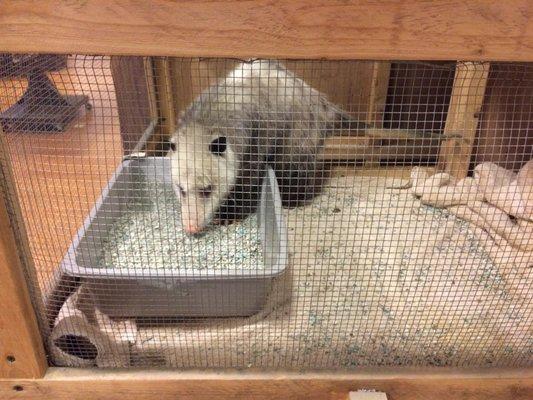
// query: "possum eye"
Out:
[205,192]
[218,146]
[172,146]
[182,191]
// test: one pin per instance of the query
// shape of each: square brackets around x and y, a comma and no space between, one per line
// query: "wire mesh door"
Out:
[272,214]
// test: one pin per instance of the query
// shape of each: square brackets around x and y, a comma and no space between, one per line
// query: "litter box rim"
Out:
[270,204]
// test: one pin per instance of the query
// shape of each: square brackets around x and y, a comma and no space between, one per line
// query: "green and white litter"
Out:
[149,235]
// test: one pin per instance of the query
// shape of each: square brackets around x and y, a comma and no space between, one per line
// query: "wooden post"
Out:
[377,98]
[379,86]
[21,349]
[165,102]
[133,98]
[463,115]
[182,82]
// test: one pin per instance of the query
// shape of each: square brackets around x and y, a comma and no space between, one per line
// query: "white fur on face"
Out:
[195,168]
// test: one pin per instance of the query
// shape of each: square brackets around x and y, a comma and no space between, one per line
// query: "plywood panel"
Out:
[419,95]
[505,133]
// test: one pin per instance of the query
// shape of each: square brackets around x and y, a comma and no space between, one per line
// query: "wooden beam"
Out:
[463,115]
[21,348]
[365,29]
[383,145]
[399,384]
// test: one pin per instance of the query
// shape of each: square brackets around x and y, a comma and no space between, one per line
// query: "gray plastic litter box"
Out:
[146,292]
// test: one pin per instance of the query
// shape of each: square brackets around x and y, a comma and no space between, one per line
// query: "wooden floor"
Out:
[58,176]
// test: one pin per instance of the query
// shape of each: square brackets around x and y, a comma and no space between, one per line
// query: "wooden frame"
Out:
[410,384]
[21,348]
[402,29]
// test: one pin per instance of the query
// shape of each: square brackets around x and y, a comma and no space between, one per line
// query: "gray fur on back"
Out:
[269,117]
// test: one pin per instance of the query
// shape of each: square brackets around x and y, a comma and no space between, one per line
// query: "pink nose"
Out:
[192,229]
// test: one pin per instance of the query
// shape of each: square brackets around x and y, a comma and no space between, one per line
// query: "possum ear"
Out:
[172,144]
[218,145]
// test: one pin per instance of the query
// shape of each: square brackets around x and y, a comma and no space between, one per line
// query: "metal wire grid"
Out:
[375,278]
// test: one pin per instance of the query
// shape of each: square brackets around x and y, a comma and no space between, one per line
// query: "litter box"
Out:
[155,292]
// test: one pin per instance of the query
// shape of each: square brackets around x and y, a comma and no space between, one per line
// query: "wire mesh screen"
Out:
[272,214]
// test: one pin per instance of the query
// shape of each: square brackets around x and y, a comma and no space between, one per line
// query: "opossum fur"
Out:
[260,114]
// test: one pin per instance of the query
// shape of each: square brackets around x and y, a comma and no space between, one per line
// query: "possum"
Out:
[259,115]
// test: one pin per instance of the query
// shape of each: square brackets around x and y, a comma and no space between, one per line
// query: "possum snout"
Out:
[195,211]
[191,225]
[192,229]
[191,212]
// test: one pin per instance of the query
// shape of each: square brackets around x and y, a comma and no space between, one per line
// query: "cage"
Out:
[408,203]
